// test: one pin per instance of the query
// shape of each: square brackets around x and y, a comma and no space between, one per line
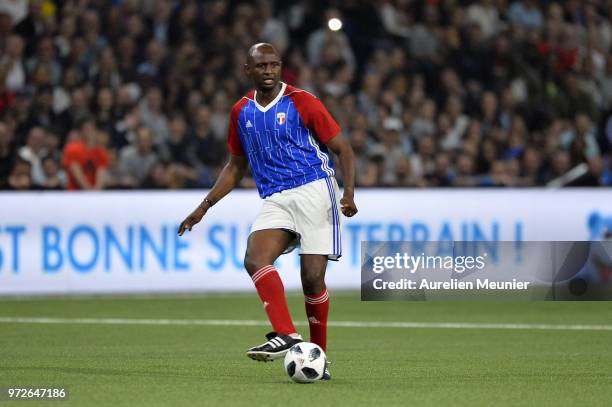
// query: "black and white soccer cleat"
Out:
[275,348]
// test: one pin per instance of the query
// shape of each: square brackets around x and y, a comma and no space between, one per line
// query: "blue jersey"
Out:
[284,141]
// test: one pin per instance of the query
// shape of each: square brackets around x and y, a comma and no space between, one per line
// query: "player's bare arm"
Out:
[342,148]
[229,178]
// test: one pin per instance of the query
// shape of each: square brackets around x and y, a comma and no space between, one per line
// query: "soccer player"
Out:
[284,134]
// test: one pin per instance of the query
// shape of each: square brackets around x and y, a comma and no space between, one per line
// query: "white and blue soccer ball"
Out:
[305,362]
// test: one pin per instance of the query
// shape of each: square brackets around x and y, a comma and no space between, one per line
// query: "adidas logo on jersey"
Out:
[249,123]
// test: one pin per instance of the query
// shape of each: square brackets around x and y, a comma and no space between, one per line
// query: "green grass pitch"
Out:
[200,365]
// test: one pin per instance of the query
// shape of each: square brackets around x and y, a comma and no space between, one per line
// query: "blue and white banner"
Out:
[114,242]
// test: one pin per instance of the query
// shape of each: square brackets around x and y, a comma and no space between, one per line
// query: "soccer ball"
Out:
[305,362]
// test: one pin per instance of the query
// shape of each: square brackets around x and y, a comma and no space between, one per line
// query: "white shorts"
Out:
[311,211]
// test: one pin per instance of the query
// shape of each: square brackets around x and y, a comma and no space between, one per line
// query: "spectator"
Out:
[158,177]
[465,173]
[441,176]
[136,160]
[7,97]
[458,123]
[12,58]
[423,161]
[368,96]
[16,10]
[7,153]
[54,177]
[67,29]
[154,65]
[605,84]
[34,152]
[160,22]
[425,37]
[152,116]
[219,118]
[46,57]
[32,26]
[105,73]
[424,123]
[273,30]
[105,118]
[389,148]
[84,160]
[525,14]
[532,167]
[580,140]
[561,163]
[486,15]
[113,177]
[20,177]
[395,19]
[207,153]
[371,177]
[403,173]
[326,47]
[177,148]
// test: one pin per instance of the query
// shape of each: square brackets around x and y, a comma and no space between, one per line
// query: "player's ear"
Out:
[247,69]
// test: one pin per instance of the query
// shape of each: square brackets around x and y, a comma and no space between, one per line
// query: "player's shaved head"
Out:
[260,48]
[263,67]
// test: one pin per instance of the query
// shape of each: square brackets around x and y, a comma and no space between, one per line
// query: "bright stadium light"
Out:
[334,24]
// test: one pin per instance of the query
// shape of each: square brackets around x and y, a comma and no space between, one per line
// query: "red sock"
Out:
[317,309]
[272,293]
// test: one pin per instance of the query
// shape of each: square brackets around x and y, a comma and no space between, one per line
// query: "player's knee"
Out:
[252,264]
[313,283]
[249,265]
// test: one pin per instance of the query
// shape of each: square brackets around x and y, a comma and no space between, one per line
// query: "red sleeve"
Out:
[315,116]
[233,138]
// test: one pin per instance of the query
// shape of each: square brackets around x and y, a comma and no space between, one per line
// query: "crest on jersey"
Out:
[281,118]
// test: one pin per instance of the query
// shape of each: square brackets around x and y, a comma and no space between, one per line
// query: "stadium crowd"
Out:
[98,94]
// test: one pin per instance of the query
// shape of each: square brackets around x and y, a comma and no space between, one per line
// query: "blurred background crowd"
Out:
[98,94]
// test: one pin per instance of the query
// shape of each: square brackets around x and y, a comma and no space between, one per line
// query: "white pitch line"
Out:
[338,324]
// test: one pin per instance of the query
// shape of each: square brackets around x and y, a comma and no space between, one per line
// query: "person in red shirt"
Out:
[85,160]
[7,97]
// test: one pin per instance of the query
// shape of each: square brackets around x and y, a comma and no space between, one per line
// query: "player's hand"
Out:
[348,207]
[190,221]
